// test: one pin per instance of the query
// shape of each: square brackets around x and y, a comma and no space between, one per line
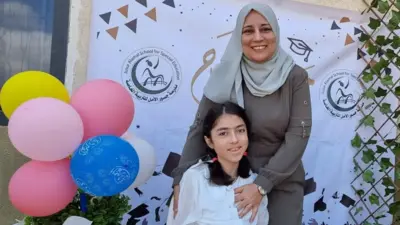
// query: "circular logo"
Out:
[340,92]
[152,75]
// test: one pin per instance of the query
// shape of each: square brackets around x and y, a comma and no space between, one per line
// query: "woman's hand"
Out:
[248,198]
[176,199]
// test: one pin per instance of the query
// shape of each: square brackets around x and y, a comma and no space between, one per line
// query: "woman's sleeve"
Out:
[195,147]
[189,210]
[288,157]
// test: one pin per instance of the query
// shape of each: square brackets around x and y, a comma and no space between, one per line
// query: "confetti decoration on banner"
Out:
[347,201]
[300,47]
[170,3]
[344,20]
[224,34]
[132,25]
[142,2]
[98,33]
[152,14]
[320,205]
[113,32]
[124,10]
[106,17]
[334,26]
[357,31]
[360,54]
[349,40]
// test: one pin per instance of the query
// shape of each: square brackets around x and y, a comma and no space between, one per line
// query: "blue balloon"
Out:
[104,165]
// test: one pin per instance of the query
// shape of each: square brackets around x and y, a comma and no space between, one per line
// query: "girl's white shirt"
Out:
[203,203]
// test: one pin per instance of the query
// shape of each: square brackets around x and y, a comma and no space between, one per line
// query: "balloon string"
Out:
[83,202]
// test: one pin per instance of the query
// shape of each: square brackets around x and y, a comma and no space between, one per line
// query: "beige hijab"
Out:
[226,79]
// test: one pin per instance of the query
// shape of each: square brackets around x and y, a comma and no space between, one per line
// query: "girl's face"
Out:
[229,138]
[258,38]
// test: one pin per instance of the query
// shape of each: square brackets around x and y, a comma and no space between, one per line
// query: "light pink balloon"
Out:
[105,107]
[45,129]
[42,188]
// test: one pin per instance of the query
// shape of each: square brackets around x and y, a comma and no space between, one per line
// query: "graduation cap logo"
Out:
[300,48]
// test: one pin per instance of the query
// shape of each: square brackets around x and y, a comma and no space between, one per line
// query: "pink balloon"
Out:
[106,108]
[45,129]
[42,188]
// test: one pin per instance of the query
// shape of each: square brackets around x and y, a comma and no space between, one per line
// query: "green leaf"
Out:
[356,142]
[374,199]
[385,108]
[380,40]
[396,114]
[387,182]
[371,142]
[364,37]
[390,54]
[397,91]
[380,92]
[395,42]
[396,149]
[389,191]
[374,23]
[383,7]
[387,80]
[368,156]
[370,93]
[394,21]
[367,77]
[360,192]
[372,49]
[368,176]
[385,163]
[380,149]
[394,207]
[358,210]
[368,121]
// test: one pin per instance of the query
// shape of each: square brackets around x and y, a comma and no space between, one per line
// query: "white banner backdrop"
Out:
[162,52]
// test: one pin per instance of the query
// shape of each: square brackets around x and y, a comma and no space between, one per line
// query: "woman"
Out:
[207,188]
[259,75]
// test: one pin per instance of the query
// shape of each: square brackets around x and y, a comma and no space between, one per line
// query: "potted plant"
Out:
[99,210]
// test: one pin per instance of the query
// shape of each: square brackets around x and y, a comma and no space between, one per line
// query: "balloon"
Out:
[105,106]
[147,159]
[77,220]
[45,129]
[42,188]
[29,85]
[104,165]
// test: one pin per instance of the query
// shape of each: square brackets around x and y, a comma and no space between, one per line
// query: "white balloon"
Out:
[147,158]
[77,220]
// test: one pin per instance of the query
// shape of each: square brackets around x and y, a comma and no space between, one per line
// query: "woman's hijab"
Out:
[226,79]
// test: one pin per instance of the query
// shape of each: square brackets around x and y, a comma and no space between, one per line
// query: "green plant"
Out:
[100,210]
[373,162]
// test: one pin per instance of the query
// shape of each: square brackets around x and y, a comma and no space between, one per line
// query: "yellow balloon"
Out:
[28,85]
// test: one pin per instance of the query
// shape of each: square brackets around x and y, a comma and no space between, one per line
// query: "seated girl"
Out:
[206,194]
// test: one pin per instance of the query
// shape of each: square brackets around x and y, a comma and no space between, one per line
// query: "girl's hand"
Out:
[248,198]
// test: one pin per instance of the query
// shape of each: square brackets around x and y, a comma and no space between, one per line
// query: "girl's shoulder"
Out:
[198,171]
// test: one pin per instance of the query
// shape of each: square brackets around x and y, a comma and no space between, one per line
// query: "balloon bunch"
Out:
[73,141]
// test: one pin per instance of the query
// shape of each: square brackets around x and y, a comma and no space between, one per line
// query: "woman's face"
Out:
[229,138]
[258,39]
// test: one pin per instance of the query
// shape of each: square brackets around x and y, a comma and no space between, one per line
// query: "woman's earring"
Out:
[214,159]
[245,154]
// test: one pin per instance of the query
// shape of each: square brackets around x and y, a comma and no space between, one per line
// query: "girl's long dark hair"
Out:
[217,174]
